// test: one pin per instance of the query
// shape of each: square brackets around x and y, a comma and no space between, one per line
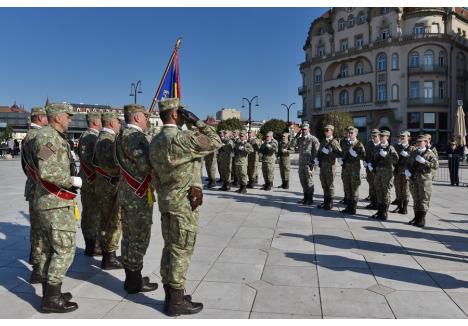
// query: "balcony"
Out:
[350,107]
[302,90]
[427,101]
[300,114]
[349,80]
[428,69]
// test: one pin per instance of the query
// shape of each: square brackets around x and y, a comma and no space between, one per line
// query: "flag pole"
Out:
[174,52]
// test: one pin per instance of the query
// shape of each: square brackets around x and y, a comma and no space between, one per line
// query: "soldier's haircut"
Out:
[165,115]
[129,117]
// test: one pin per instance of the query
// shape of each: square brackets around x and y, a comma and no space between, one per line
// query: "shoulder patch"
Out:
[203,140]
[45,152]
[51,147]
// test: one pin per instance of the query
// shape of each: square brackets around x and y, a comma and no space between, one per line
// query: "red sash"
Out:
[140,188]
[90,175]
[50,187]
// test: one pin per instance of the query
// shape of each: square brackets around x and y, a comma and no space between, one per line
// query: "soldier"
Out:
[241,151]
[224,159]
[210,165]
[90,216]
[385,157]
[369,163]
[403,148]
[175,158]
[434,150]
[353,152]
[135,196]
[253,159]
[329,150]
[343,142]
[54,203]
[268,150]
[107,178]
[285,148]
[38,120]
[235,139]
[423,163]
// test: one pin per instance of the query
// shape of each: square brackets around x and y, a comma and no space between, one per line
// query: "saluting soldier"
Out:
[224,159]
[353,152]
[404,149]
[285,148]
[90,216]
[268,150]
[176,159]
[38,120]
[234,178]
[135,196]
[253,159]
[54,196]
[107,179]
[434,150]
[369,164]
[210,165]
[328,152]
[241,151]
[385,157]
[423,163]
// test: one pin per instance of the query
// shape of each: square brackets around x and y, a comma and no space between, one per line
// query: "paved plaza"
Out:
[261,255]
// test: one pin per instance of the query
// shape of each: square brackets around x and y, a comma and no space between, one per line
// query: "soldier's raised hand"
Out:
[188,116]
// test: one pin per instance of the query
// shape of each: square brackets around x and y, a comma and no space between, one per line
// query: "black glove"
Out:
[188,116]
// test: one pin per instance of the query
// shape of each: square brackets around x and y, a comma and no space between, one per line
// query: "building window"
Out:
[359,68]
[394,61]
[435,28]
[442,59]
[382,93]
[428,58]
[321,51]
[414,60]
[317,101]
[318,75]
[414,120]
[359,41]
[344,98]
[385,33]
[429,90]
[414,89]
[349,9]
[344,44]
[443,120]
[328,100]
[382,62]
[441,89]
[361,18]
[395,92]
[351,21]
[343,71]
[419,29]
[341,24]
[429,120]
[358,96]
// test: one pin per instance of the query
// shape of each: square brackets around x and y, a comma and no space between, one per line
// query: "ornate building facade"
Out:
[391,68]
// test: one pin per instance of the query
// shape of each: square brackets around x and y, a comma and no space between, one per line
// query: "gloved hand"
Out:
[241,148]
[420,159]
[370,167]
[407,173]
[352,152]
[383,153]
[74,156]
[325,151]
[365,164]
[188,116]
[340,160]
[268,145]
[316,161]
[404,153]
[76,182]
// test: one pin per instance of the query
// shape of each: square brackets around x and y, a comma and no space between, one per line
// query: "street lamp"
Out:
[287,108]
[135,89]
[250,108]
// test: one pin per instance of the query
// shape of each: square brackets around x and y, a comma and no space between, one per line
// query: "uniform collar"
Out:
[35,126]
[130,125]
[170,125]
[109,130]
[94,131]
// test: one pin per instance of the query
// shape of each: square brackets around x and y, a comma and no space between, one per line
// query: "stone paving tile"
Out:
[270,315]
[133,310]
[207,313]
[342,258]
[234,272]
[406,279]
[345,278]
[225,296]
[291,258]
[249,243]
[461,300]
[19,305]
[243,256]
[287,275]
[451,281]
[250,232]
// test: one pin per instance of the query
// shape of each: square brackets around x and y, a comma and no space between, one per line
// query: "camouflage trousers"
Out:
[137,218]
[210,166]
[58,236]
[285,167]
[241,171]
[421,190]
[268,171]
[179,231]
[34,236]
[306,177]
[383,183]
[225,170]
[351,178]
[233,171]
[370,180]
[252,169]
[110,228]
[327,176]
[401,186]
[90,215]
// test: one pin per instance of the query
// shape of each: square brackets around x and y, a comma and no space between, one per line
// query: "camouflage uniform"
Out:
[370,173]
[210,165]
[224,159]
[235,181]
[285,148]
[400,179]
[241,151]
[268,151]
[253,159]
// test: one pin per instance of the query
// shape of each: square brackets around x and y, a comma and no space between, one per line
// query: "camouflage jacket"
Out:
[386,162]
[308,148]
[256,143]
[423,171]
[268,151]
[104,153]
[403,162]
[285,149]
[350,161]
[51,158]
[26,158]
[334,148]
[227,147]
[176,164]
[241,152]
[86,146]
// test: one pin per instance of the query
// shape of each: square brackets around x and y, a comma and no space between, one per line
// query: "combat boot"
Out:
[110,261]
[36,277]
[224,187]
[210,184]
[421,221]
[395,202]
[384,213]
[92,247]
[397,209]
[242,189]
[286,185]
[250,185]
[54,301]
[322,205]
[179,305]
[135,283]
[303,200]
[372,204]
[167,294]
[67,295]
[404,207]
[415,218]
[353,207]
[378,213]
[310,196]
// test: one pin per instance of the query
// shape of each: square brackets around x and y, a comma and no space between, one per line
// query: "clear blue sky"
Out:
[92,55]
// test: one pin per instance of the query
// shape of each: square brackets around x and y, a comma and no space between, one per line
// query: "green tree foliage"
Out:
[275,125]
[6,133]
[340,120]
[230,124]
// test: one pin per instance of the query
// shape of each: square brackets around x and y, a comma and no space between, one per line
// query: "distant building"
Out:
[211,121]
[227,113]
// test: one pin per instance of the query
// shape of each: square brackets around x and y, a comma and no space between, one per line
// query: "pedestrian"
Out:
[135,196]
[176,159]
[285,149]
[225,162]
[422,165]
[369,163]
[454,154]
[38,121]
[404,149]
[268,150]
[11,147]
[54,203]
[242,149]
[90,215]
[329,150]
[253,159]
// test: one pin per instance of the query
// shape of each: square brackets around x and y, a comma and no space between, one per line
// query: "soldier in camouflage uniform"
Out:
[54,203]
[38,120]
[253,159]
[235,139]
[434,150]
[423,163]
[268,149]
[90,216]
[241,151]
[385,157]
[210,165]
[353,152]
[328,151]
[176,158]
[135,196]
[403,148]
[224,159]
[107,178]
[369,163]
[285,148]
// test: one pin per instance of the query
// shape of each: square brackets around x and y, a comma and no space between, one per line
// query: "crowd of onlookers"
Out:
[10,146]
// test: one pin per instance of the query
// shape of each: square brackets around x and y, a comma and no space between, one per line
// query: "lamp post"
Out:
[135,89]
[287,108]
[250,108]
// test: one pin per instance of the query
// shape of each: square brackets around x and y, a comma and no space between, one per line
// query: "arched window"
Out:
[394,61]
[351,21]
[344,98]
[358,96]
[359,68]
[395,92]
[361,17]
[428,58]
[341,24]
[381,62]
[328,100]
[414,59]
[344,70]
[318,75]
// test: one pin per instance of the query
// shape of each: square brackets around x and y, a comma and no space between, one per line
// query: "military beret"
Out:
[375,131]
[350,128]
[169,104]
[429,137]
[91,116]
[329,127]
[355,130]
[134,108]
[384,133]
[305,125]
[37,111]
[57,108]
[405,133]
[108,116]
[270,133]
[243,133]
[423,137]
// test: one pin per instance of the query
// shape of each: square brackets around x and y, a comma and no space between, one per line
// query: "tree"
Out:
[230,124]
[7,133]
[340,120]
[275,125]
